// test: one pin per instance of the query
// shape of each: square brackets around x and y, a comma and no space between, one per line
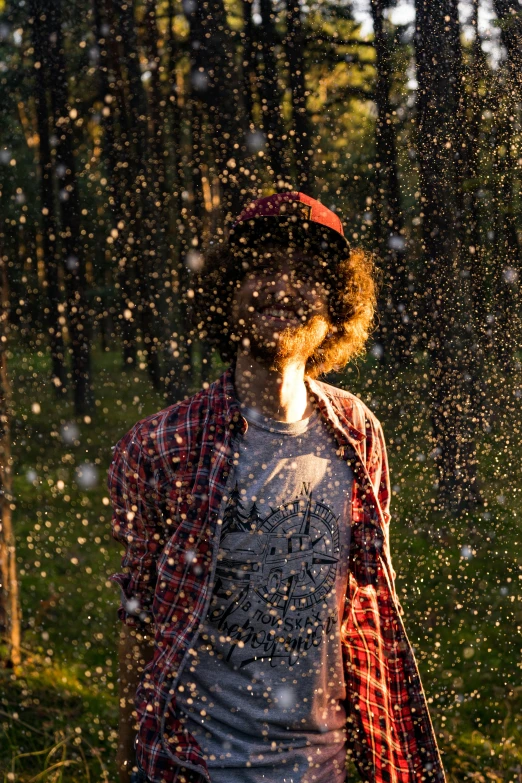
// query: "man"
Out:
[258,586]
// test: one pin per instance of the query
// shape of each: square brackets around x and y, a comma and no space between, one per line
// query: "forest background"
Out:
[131,131]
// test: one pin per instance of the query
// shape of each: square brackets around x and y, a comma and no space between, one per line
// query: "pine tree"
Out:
[254,518]
[233,518]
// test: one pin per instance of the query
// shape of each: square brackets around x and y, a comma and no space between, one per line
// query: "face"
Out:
[280,312]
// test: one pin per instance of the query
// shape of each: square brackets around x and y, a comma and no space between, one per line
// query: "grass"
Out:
[459,580]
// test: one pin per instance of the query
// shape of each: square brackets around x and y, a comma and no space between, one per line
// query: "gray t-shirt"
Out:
[264,690]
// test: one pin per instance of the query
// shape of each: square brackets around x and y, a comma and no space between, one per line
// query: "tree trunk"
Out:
[10,617]
[271,98]
[198,227]
[72,243]
[249,61]
[471,232]
[395,329]
[216,121]
[159,268]
[176,104]
[508,267]
[176,354]
[447,300]
[114,116]
[40,34]
[295,47]
[213,75]
[509,13]
[142,191]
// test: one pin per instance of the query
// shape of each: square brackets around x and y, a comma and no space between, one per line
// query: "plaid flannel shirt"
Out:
[168,482]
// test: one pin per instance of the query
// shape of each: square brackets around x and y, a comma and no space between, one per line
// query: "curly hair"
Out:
[352,288]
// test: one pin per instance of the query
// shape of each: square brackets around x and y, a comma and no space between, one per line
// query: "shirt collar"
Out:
[344,429]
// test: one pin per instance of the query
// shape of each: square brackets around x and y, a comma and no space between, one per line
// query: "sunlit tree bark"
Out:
[10,617]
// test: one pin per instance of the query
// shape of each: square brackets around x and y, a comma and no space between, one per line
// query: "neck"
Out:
[278,394]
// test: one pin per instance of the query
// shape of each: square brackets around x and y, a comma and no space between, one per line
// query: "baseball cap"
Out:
[294,218]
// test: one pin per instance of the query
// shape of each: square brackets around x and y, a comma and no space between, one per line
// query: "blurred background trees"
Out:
[134,129]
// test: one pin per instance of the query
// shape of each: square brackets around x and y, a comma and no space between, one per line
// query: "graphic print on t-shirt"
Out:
[264,690]
[273,576]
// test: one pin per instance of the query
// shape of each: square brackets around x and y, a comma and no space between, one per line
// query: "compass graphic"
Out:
[288,559]
[301,555]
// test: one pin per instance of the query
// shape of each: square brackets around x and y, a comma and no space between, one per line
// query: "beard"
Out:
[294,344]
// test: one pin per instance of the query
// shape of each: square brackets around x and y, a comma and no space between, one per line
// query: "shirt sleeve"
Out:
[137,523]
[382,484]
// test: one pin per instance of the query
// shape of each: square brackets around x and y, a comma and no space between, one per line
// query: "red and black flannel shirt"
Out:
[168,482]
